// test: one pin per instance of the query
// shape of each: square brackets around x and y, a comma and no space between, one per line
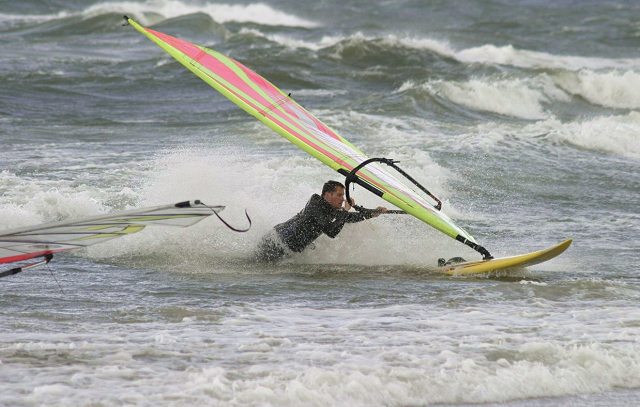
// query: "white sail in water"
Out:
[47,239]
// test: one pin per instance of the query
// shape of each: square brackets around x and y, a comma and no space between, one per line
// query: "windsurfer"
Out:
[326,213]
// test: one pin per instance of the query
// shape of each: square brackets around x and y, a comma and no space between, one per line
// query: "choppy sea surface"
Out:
[523,116]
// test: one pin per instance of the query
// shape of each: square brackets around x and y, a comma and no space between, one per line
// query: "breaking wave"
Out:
[154,11]
[610,89]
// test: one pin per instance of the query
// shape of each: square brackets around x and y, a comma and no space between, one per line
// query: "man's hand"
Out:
[379,210]
[347,205]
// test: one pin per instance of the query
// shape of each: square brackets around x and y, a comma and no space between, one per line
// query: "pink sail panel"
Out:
[257,92]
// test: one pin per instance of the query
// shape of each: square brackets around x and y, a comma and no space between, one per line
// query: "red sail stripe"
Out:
[28,256]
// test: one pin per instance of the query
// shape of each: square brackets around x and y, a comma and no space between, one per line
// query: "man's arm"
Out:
[342,217]
[369,213]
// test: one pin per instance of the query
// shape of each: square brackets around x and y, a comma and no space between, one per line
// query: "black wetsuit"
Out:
[317,217]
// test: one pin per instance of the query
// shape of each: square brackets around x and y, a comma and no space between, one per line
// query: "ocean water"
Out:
[523,116]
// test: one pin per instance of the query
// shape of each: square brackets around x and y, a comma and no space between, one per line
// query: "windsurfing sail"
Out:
[261,99]
[47,239]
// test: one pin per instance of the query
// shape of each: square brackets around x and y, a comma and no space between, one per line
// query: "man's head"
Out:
[333,193]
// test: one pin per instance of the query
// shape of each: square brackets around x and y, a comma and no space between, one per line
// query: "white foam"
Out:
[34,17]
[33,201]
[532,282]
[488,53]
[500,55]
[264,187]
[437,46]
[613,134]
[149,11]
[295,354]
[508,55]
[294,43]
[616,134]
[522,98]
[154,11]
[355,39]
[495,97]
[272,189]
[611,89]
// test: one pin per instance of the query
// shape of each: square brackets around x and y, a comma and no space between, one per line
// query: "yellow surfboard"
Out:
[513,262]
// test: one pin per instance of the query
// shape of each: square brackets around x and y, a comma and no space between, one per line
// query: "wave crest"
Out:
[609,89]
[154,11]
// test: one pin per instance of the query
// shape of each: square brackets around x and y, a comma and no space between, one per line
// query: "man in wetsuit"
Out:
[323,214]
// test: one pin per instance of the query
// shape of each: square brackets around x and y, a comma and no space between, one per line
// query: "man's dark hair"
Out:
[331,186]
